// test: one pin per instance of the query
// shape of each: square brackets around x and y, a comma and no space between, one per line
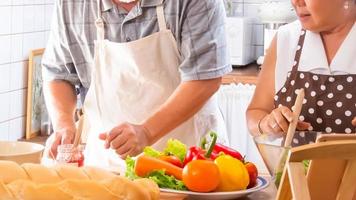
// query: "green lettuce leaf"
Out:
[149,151]
[166,181]
[306,165]
[130,168]
[176,148]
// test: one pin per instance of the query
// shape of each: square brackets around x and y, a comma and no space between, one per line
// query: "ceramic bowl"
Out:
[21,152]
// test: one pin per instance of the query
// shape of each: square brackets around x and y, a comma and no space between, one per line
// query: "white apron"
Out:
[130,81]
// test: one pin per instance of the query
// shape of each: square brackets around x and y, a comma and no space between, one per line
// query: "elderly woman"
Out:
[317,53]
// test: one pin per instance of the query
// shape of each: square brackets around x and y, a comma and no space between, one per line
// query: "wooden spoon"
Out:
[296,112]
[78,133]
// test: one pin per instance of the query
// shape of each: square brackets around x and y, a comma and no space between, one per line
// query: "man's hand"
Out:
[187,99]
[127,139]
[354,122]
[62,136]
[61,104]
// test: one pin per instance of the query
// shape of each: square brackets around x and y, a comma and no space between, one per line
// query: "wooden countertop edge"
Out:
[243,79]
[243,74]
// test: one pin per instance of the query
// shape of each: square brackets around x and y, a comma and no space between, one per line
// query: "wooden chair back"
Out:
[331,174]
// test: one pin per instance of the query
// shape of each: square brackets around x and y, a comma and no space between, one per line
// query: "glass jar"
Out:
[67,155]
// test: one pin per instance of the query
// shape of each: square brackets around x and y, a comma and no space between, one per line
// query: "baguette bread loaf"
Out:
[37,182]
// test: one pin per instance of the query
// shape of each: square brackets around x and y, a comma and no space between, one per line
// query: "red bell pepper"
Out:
[194,153]
[201,153]
[214,155]
[210,150]
[218,148]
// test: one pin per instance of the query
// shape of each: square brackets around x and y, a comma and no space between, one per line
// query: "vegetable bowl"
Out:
[274,154]
[206,171]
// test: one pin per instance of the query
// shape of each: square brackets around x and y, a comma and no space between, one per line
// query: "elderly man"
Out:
[148,70]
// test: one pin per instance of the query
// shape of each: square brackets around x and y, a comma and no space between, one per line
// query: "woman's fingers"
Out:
[303,126]
[271,122]
[281,120]
[273,126]
[354,122]
[278,119]
[287,113]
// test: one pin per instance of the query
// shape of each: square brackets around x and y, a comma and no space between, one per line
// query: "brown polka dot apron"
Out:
[330,100]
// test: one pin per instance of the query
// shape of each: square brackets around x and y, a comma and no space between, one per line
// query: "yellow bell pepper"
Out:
[233,173]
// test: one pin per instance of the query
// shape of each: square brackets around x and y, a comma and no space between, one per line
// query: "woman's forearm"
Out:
[254,118]
[187,100]
[262,101]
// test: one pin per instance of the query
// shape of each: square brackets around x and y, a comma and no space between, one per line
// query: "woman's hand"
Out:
[126,139]
[278,121]
[354,122]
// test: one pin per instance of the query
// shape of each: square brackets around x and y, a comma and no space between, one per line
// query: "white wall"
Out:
[24,25]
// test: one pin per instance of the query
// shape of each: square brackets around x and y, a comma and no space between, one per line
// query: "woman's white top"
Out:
[313,58]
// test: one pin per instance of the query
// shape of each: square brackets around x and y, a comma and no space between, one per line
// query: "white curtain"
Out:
[233,102]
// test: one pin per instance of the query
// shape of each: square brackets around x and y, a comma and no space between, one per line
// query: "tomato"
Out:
[252,172]
[201,176]
[233,173]
[173,160]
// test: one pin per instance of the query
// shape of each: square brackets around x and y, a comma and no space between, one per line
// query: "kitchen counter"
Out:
[243,74]
[267,194]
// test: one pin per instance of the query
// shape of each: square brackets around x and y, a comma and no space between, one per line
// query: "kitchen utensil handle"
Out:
[78,132]
[296,112]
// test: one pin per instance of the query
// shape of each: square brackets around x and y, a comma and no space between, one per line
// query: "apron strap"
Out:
[298,52]
[161,19]
[99,23]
